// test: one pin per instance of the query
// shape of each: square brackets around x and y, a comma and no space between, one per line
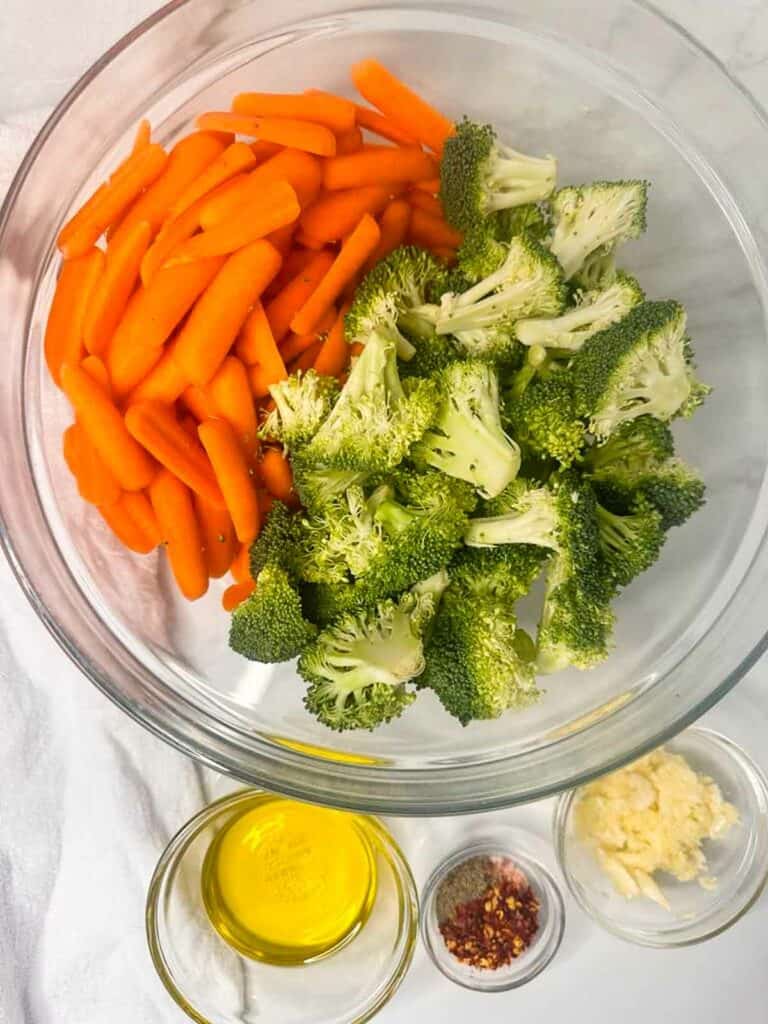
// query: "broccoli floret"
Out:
[533,219]
[270,626]
[431,354]
[279,543]
[507,571]
[527,282]
[481,254]
[479,176]
[478,662]
[341,537]
[543,418]
[633,447]
[317,486]
[637,367]
[673,488]
[396,296]
[376,419]
[466,439]
[594,312]
[302,402]
[358,667]
[596,217]
[429,489]
[630,543]
[598,272]
[576,622]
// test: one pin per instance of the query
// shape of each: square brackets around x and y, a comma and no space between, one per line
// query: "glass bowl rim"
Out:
[674,939]
[346,784]
[175,850]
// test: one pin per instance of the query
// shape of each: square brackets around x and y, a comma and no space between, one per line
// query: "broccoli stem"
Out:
[535,526]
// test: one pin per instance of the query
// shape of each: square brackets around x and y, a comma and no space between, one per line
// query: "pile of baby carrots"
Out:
[195,278]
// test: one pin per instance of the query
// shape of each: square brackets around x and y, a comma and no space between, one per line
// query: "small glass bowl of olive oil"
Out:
[256,884]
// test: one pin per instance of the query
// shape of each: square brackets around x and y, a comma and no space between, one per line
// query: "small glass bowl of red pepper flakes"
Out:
[492,917]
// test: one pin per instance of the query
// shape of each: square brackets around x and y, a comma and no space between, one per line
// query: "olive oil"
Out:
[286,882]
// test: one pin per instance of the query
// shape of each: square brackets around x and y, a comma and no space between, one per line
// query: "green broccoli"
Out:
[576,623]
[316,486]
[543,418]
[630,543]
[430,489]
[302,402]
[431,354]
[598,272]
[533,219]
[270,626]
[594,312]
[280,542]
[376,419]
[358,667]
[638,366]
[507,571]
[671,487]
[479,176]
[633,447]
[341,537]
[395,297]
[466,439]
[596,217]
[526,282]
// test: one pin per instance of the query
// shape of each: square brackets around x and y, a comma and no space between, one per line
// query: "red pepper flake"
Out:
[493,928]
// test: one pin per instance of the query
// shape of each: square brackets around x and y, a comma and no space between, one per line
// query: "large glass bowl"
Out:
[613,89]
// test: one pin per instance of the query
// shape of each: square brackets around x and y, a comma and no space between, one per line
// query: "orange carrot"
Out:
[306,360]
[295,344]
[378,165]
[266,501]
[186,162]
[235,594]
[139,171]
[377,124]
[276,207]
[283,307]
[422,200]
[255,334]
[113,289]
[241,564]
[231,395]
[233,476]
[445,254]
[181,532]
[219,541]
[265,364]
[355,349]
[64,330]
[264,150]
[393,224]
[334,215]
[95,482]
[432,232]
[354,252]
[143,136]
[321,108]
[155,426]
[133,521]
[164,383]
[235,159]
[308,241]
[128,367]
[293,263]
[407,110]
[282,238]
[277,476]
[431,185]
[199,403]
[349,142]
[333,357]
[220,312]
[312,138]
[301,170]
[104,426]
[97,371]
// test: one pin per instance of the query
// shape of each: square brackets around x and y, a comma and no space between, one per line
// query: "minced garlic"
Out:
[652,816]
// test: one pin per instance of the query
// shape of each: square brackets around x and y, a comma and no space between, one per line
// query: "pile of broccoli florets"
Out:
[506,420]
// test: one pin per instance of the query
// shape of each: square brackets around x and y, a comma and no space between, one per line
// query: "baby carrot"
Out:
[293,346]
[132,519]
[186,162]
[241,565]
[431,185]
[95,482]
[308,241]
[377,124]
[349,142]
[445,254]
[113,289]
[354,252]
[256,342]
[64,330]
[129,366]
[295,134]
[282,238]
[405,108]
[139,171]
[232,398]
[283,307]
[236,594]
[219,541]
[97,371]
[235,159]
[321,108]
[277,476]
[333,216]
[275,207]
[333,357]
[104,426]
[256,334]
[165,381]
[264,150]
[266,501]
[393,224]
[378,165]
[220,312]
[199,403]
[422,200]
[432,232]
[233,476]
[306,359]
[155,426]
[181,531]
[293,263]
[143,136]
[301,170]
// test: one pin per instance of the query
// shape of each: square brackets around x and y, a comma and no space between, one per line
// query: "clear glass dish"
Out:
[615,90]
[738,860]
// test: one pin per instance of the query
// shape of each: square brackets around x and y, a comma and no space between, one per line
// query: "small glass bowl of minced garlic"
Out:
[671,849]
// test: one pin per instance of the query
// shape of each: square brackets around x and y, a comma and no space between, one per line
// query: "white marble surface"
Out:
[88,799]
